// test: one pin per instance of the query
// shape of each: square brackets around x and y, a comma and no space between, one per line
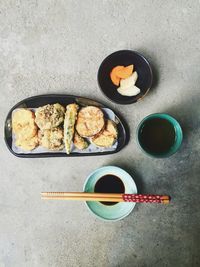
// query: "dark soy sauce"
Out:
[109,184]
[157,136]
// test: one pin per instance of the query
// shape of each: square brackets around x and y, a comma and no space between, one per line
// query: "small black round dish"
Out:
[125,58]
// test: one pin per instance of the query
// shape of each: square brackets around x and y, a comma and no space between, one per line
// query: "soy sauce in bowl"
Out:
[109,183]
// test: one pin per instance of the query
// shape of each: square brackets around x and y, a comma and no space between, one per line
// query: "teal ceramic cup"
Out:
[178,135]
[114,212]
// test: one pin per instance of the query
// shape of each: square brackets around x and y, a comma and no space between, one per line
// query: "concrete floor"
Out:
[56,47]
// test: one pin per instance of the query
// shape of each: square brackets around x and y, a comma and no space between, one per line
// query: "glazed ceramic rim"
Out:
[91,211]
[165,116]
[149,66]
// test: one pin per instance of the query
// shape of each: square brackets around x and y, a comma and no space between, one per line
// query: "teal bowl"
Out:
[178,135]
[121,209]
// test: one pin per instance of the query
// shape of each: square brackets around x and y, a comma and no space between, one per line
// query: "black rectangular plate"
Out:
[41,100]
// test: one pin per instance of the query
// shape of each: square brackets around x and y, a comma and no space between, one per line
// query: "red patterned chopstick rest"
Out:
[142,198]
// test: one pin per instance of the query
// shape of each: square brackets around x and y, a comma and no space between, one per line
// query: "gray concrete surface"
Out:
[56,47]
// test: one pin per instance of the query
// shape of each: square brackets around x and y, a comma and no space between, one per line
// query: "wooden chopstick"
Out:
[83,196]
[106,197]
[86,198]
[75,194]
